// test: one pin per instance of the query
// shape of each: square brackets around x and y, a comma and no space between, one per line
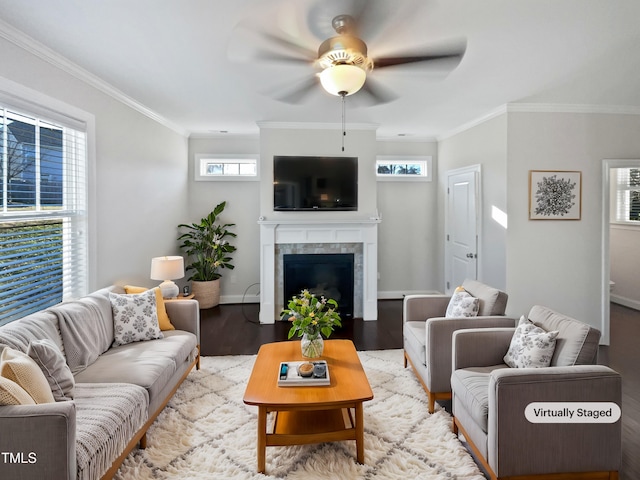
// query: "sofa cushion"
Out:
[414,334]
[163,317]
[135,317]
[13,394]
[22,369]
[86,327]
[107,417]
[531,346]
[576,343]
[492,300]
[58,374]
[471,385]
[462,304]
[148,364]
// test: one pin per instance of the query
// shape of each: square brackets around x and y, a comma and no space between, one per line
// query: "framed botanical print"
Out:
[555,195]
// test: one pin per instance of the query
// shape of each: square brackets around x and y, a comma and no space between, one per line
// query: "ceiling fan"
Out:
[342,62]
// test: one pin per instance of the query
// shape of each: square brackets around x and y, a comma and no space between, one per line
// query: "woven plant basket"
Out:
[207,293]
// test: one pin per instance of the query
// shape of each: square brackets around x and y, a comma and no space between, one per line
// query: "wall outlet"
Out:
[233,278]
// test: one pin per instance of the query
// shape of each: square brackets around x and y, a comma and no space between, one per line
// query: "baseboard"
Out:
[400,294]
[626,302]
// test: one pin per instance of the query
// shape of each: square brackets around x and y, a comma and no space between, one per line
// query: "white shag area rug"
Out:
[207,432]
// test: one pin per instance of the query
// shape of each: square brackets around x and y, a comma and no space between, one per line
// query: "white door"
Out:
[461,254]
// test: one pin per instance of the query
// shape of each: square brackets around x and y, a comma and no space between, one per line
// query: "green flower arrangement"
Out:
[312,315]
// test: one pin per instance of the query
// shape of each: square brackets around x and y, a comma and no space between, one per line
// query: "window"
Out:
[226,167]
[627,196]
[403,168]
[43,214]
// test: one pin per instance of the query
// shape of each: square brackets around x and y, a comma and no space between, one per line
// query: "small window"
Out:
[403,168]
[627,196]
[226,167]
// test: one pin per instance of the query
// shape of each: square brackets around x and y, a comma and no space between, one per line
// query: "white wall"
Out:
[140,174]
[484,145]
[408,233]
[559,263]
[624,246]
[243,209]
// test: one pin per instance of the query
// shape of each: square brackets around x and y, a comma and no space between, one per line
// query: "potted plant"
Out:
[208,250]
[312,317]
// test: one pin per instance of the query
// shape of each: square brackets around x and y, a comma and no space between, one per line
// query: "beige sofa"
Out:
[118,391]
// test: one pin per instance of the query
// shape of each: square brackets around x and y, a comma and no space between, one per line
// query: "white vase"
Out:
[312,346]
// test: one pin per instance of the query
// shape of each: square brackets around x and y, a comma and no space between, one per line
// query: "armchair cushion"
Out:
[492,300]
[462,304]
[531,346]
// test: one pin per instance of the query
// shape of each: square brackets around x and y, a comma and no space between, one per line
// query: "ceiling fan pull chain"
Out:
[344,128]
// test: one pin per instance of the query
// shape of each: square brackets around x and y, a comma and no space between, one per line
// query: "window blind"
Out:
[43,216]
[627,195]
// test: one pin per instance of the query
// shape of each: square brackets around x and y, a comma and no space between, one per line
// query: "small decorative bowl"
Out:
[305,369]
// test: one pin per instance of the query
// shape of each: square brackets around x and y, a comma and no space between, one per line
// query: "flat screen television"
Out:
[307,183]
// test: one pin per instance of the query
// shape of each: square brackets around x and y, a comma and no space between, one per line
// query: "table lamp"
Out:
[167,268]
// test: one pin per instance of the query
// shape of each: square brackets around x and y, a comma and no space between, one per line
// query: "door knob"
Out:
[471,255]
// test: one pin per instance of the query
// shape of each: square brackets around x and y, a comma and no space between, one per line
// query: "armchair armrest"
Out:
[439,346]
[480,347]
[185,315]
[38,441]
[421,307]
[551,447]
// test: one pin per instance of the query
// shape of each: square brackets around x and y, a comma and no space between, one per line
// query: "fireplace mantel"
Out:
[274,232]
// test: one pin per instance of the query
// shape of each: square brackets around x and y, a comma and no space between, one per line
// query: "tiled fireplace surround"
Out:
[280,237]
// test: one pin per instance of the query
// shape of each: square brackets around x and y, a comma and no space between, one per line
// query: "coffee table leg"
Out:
[262,439]
[359,433]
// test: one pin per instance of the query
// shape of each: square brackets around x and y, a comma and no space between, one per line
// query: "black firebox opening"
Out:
[323,274]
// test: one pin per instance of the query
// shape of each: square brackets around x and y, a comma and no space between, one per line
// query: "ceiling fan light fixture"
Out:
[342,79]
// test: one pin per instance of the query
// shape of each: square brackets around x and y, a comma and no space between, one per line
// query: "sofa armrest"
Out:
[38,441]
[185,315]
[439,346]
[480,347]
[557,446]
[422,307]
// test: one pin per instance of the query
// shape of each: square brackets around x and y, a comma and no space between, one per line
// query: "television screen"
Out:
[315,183]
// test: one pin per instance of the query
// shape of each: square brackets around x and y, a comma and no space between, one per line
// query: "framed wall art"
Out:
[555,195]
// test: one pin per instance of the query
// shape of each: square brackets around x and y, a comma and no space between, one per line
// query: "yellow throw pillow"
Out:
[163,317]
[22,369]
[13,394]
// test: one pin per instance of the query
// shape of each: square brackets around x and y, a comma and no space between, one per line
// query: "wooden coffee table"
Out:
[309,414]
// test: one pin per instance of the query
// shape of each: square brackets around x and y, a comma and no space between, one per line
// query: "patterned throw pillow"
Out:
[462,304]
[531,346]
[135,317]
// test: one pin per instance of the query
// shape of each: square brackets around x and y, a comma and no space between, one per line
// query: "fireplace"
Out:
[330,275]
[298,237]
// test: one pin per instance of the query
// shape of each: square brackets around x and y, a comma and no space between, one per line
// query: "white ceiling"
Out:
[172,57]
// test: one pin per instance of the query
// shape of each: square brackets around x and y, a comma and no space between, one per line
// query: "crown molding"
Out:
[43,52]
[473,123]
[224,136]
[316,125]
[573,108]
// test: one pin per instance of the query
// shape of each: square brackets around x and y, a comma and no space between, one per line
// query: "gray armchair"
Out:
[427,334]
[490,398]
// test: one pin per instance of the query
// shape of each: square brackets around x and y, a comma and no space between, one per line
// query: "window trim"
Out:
[15,96]
[426,159]
[240,158]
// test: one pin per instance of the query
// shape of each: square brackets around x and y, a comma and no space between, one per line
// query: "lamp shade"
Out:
[342,79]
[167,268]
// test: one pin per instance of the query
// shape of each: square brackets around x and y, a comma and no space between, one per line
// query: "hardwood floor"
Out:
[235,330]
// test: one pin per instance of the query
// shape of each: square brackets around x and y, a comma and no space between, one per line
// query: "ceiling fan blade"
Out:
[373,93]
[290,45]
[299,93]
[448,56]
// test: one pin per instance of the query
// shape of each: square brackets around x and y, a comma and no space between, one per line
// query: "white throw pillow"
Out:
[135,317]
[531,346]
[54,366]
[462,304]
[23,370]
